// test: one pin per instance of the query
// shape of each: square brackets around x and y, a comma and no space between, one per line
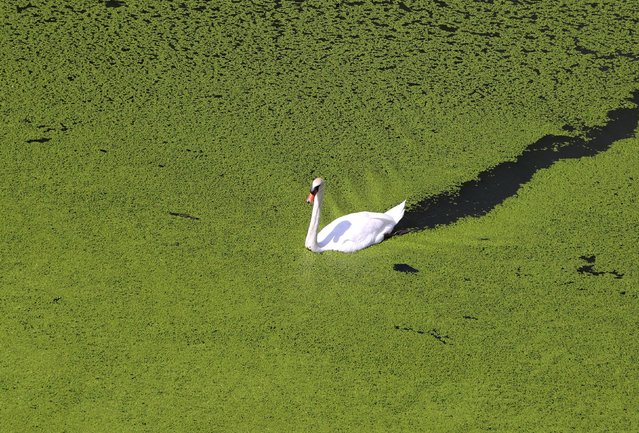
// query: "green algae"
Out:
[117,314]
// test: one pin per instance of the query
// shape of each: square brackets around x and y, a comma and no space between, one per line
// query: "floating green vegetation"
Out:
[155,159]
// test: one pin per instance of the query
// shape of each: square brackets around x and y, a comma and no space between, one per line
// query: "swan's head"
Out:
[315,187]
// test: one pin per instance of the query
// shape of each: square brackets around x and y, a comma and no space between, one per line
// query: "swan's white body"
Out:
[351,232]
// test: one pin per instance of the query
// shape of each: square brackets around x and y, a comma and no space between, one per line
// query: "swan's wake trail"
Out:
[493,186]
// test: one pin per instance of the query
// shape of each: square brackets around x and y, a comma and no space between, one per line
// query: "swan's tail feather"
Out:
[397,212]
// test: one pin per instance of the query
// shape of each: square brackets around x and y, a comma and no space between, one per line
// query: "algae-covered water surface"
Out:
[155,160]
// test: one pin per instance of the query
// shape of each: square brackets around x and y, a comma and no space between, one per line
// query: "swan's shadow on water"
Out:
[336,233]
[480,196]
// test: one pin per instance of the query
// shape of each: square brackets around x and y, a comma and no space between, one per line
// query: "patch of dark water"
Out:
[406,268]
[586,51]
[433,332]
[39,140]
[441,338]
[21,9]
[478,197]
[446,28]
[409,329]
[403,7]
[589,269]
[588,259]
[114,3]
[184,215]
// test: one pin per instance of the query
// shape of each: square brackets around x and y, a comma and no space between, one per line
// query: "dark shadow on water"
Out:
[493,186]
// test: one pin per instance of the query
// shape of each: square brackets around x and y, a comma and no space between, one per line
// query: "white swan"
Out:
[351,232]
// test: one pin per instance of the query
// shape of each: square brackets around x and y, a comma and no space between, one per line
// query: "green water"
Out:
[118,316]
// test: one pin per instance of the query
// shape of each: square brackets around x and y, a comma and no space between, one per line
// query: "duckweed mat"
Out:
[155,160]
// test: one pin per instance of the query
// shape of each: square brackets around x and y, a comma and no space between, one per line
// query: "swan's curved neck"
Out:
[311,236]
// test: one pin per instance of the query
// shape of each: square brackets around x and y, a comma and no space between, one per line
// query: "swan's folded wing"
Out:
[355,231]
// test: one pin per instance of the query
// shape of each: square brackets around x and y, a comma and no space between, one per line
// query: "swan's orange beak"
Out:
[310,198]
